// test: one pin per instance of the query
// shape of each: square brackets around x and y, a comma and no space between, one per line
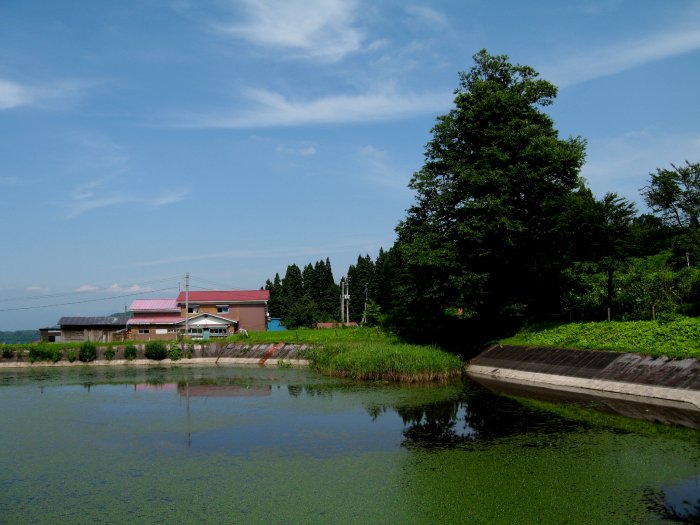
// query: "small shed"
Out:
[96,329]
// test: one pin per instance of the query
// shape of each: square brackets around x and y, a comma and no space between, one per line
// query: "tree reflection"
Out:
[473,416]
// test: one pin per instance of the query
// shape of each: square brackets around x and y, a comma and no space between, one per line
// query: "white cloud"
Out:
[380,170]
[87,288]
[605,61]
[308,151]
[92,202]
[37,289]
[14,95]
[275,110]
[129,289]
[50,96]
[427,14]
[315,29]
[114,288]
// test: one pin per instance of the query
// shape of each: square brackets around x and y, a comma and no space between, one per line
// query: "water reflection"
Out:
[678,503]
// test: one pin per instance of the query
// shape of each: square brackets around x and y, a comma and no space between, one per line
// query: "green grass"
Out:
[678,338]
[360,353]
[385,360]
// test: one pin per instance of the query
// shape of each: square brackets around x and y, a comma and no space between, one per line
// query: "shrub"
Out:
[130,352]
[175,354]
[189,351]
[7,353]
[71,355]
[109,354]
[45,353]
[155,350]
[87,352]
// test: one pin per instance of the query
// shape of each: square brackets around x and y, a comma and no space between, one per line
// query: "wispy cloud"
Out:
[114,288]
[275,110]
[302,151]
[37,289]
[313,29]
[14,95]
[605,61]
[380,170]
[91,202]
[52,95]
[427,14]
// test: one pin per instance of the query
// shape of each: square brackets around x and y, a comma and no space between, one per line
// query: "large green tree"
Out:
[480,241]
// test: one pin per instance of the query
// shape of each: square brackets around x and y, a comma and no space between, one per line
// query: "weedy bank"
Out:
[675,337]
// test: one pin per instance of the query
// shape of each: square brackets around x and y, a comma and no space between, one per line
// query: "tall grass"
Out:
[385,360]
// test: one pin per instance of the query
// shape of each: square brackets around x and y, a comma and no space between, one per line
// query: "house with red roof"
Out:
[203,314]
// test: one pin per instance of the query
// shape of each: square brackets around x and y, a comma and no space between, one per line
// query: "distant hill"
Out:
[19,336]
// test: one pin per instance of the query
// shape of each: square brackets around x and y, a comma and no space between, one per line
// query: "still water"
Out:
[252,445]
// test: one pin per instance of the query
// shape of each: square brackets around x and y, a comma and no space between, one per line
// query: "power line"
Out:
[76,292]
[213,283]
[86,300]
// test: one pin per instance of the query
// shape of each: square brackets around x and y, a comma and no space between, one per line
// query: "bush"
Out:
[175,354]
[7,353]
[71,355]
[155,350]
[130,352]
[45,353]
[87,352]
[109,354]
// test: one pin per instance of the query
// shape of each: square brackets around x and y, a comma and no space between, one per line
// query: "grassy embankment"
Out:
[360,353]
[367,353]
[677,338]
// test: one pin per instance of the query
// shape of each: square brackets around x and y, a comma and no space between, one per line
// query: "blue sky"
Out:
[142,139]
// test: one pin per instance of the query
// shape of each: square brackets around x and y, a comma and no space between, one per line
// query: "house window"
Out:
[193,309]
[172,330]
[218,332]
[222,308]
[144,331]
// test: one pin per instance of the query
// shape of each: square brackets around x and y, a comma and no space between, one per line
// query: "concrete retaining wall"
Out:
[593,372]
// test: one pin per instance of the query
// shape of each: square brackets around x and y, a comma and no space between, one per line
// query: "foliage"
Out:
[674,337]
[8,353]
[45,352]
[71,356]
[19,336]
[385,360]
[130,352]
[675,195]
[155,350]
[109,353]
[481,240]
[175,353]
[87,352]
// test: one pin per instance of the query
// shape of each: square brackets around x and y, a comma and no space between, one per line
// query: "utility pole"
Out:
[344,301]
[187,304]
[364,313]
[347,300]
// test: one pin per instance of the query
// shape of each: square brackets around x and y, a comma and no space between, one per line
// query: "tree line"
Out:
[504,231]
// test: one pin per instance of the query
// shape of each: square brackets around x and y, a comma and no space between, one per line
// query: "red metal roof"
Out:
[159,305]
[225,296]
[155,319]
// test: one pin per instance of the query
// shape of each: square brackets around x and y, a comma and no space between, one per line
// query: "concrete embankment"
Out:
[659,388]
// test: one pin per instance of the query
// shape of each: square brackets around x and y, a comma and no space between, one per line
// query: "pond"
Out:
[259,445]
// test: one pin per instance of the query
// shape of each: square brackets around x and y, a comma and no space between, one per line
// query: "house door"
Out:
[205,334]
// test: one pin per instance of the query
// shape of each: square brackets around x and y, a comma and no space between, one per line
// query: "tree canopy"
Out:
[481,236]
